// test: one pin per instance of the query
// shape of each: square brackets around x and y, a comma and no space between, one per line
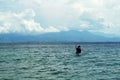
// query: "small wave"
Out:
[57,72]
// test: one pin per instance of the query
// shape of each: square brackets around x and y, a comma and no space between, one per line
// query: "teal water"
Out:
[59,62]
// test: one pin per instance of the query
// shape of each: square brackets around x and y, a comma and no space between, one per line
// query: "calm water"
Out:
[59,62]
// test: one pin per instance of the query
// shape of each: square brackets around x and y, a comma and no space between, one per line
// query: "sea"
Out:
[58,61]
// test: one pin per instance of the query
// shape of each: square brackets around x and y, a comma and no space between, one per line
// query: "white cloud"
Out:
[85,25]
[107,10]
[51,29]
[32,26]
[94,15]
[22,23]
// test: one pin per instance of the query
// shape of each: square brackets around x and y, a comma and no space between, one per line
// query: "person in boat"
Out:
[78,49]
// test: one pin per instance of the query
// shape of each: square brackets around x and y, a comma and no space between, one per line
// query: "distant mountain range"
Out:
[63,36]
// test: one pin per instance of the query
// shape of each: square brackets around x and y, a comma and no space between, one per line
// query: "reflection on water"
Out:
[59,62]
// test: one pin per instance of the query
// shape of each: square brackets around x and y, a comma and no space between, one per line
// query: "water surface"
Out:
[59,62]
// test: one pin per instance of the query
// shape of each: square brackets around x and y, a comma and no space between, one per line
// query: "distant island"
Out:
[63,36]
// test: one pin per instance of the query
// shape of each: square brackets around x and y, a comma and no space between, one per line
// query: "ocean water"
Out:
[98,61]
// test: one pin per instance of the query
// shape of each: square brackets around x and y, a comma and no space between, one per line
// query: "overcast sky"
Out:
[40,16]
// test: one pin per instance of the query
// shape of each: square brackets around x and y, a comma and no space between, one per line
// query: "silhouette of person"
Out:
[78,49]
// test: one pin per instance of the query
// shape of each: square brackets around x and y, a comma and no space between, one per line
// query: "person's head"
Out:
[79,46]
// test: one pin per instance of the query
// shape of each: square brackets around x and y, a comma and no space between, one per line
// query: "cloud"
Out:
[22,22]
[39,16]
[51,29]
[102,17]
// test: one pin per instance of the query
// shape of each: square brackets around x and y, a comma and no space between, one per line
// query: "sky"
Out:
[42,16]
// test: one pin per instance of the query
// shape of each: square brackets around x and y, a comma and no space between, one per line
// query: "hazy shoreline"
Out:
[60,43]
